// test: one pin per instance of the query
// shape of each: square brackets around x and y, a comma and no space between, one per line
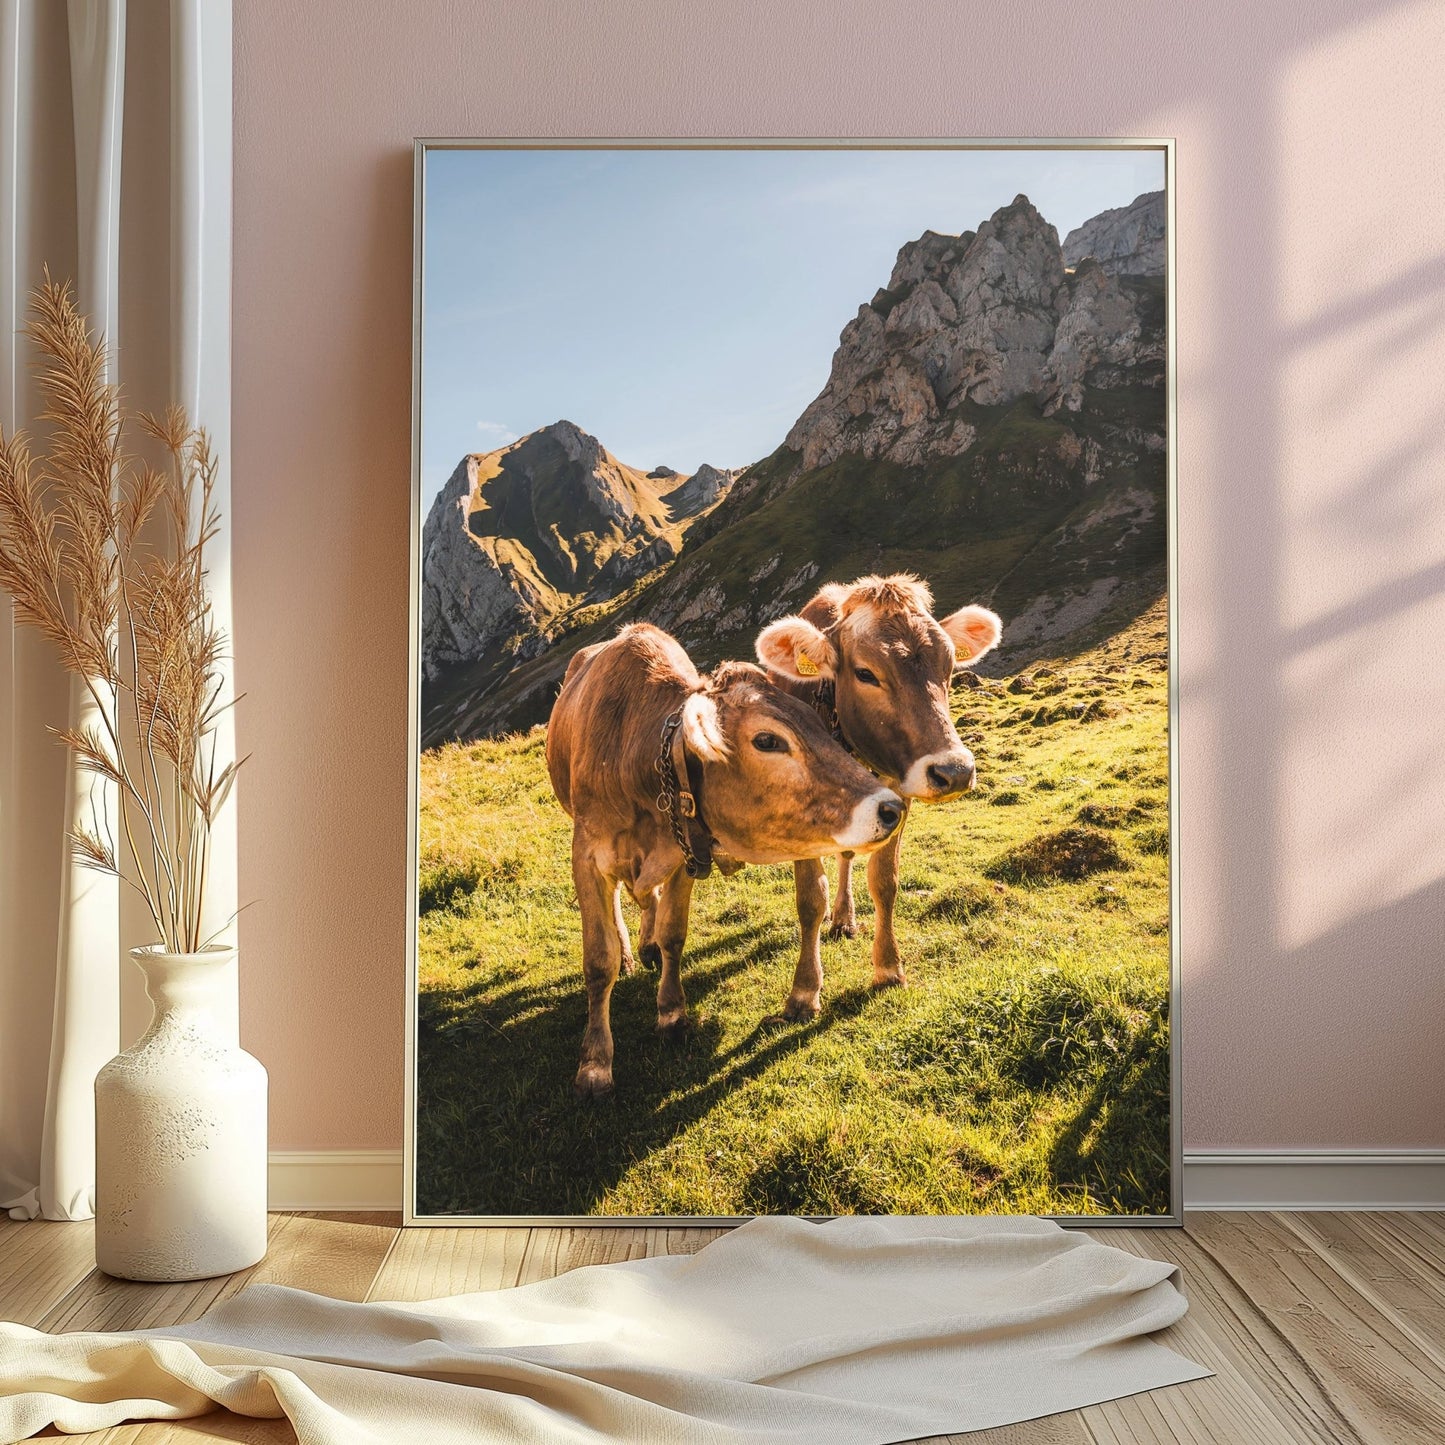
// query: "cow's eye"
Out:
[769,743]
[866,677]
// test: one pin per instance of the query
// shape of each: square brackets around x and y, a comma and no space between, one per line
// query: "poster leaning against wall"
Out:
[793,794]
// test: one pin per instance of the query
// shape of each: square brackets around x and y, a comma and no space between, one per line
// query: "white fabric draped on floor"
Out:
[115,171]
[856,1332]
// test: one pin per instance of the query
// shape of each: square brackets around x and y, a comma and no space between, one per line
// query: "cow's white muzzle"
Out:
[875,819]
[940,775]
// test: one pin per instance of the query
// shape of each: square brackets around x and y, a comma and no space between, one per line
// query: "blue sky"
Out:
[684,306]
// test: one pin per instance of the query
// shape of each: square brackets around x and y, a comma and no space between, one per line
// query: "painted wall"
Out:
[1312,510]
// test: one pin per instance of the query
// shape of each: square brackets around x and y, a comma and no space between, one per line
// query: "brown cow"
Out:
[873,659]
[754,776]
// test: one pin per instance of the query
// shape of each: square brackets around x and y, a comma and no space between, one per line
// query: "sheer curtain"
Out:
[115,170]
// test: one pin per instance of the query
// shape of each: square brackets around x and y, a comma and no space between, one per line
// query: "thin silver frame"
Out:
[421,147]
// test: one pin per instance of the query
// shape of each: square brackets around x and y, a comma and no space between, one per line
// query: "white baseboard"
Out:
[371,1179]
[1315,1179]
[335,1179]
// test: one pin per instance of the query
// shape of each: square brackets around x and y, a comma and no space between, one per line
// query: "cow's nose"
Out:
[951,777]
[890,815]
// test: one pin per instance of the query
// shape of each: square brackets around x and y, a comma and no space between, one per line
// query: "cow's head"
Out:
[775,785]
[890,660]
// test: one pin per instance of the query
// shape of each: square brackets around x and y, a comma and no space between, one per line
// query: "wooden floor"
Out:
[1326,1328]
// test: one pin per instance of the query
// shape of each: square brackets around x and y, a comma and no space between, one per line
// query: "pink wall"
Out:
[1312,502]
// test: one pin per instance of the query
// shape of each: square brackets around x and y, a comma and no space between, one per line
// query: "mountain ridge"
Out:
[993,418]
[520,535]
[1125,241]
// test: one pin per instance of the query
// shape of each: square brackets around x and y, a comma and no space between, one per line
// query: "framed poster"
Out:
[793,785]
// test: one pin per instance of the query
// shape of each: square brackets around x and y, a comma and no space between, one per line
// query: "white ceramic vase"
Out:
[180,1129]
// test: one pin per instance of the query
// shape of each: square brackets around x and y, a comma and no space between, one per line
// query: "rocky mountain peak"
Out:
[576,443]
[929,258]
[704,489]
[976,318]
[518,536]
[561,440]
[966,316]
[1126,241]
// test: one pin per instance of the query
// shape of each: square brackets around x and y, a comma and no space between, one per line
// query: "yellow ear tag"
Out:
[806,666]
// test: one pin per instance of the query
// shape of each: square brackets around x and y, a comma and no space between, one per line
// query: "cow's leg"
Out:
[628,963]
[844,922]
[672,902]
[601,959]
[883,885]
[810,883]
[649,953]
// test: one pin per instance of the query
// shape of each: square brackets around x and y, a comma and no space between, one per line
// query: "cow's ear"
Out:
[702,728]
[795,648]
[974,630]
[826,606]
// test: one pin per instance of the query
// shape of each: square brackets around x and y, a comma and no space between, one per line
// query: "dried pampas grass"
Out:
[105,555]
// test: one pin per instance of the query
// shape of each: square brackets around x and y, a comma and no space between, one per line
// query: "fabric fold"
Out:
[854,1332]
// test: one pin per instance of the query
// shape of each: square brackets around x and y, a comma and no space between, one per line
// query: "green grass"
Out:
[1024,1069]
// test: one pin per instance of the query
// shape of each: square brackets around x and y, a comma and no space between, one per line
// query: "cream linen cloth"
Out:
[855,1332]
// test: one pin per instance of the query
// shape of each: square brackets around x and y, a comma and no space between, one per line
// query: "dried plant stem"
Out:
[79,556]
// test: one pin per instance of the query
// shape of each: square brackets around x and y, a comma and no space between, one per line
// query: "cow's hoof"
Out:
[843,928]
[592,1082]
[673,1024]
[651,956]
[897,979]
[802,1010]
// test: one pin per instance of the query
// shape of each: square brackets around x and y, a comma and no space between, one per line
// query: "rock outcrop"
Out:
[967,317]
[704,489]
[521,535]
[1009,289]
[1100,326]
[1126,241]
[467,601]
[984,317]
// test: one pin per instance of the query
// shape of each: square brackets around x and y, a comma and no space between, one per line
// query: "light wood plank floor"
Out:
[1322,1328]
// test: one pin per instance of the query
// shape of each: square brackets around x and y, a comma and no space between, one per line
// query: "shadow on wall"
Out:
[1313,557]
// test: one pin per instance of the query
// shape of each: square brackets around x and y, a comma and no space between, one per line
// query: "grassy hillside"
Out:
[1025,1069]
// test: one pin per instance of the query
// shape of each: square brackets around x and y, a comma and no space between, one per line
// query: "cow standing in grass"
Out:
[872,658]
[662,770]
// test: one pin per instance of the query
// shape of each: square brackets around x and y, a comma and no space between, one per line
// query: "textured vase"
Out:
[180,1166]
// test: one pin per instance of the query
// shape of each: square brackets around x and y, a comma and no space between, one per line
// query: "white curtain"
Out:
[115,170]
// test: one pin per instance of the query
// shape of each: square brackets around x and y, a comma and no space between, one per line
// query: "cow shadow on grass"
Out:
[498,1130]
[500,1133]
